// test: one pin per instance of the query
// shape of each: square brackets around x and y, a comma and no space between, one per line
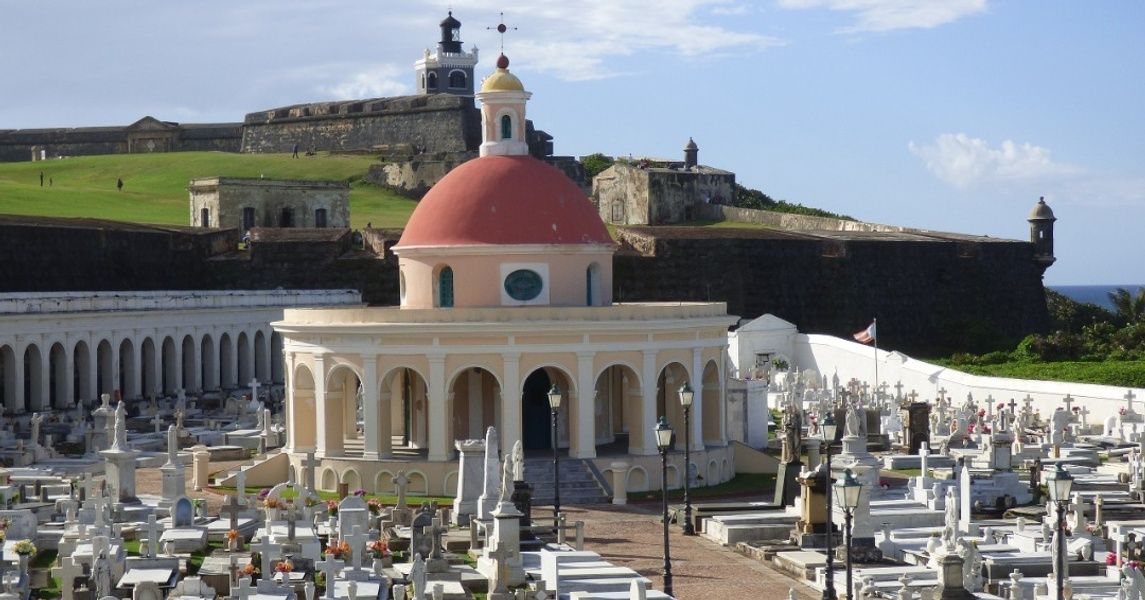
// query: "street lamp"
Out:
[686,397]
[554,406]
[847,496]
[828,429]
[663,441]
[1059,485]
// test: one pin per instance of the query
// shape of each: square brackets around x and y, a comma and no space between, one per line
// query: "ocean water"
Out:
[1092,294]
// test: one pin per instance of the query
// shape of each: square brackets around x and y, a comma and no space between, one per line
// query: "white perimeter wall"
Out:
[828,354]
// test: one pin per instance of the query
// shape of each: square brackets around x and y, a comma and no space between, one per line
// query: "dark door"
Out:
[535,424]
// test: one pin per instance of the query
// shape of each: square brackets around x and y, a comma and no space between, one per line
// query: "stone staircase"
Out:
[579,483]
[227,477]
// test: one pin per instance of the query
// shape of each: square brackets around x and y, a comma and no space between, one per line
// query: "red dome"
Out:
[500,200]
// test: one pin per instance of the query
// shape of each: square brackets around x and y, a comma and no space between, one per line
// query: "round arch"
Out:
[303,416]
[243,351]
[227,363]
[190,370]
[342,408]
[8,379]
[711,405]
[472,402]
[261,357]
[105,363]
[150,377]
[83,386]
[59,386]
[209,362]
[404,412]
[170,380]
[618,406]
[668,383]
[536,416]
[127,369]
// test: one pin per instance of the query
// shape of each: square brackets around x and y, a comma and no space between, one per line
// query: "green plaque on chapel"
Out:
[523,285]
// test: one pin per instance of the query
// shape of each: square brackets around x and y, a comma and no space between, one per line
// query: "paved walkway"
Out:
[630,536]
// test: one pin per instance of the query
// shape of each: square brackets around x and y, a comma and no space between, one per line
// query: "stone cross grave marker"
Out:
[69,571]
[898,390]
[1068,401]
[331,567]
[152,536]
[253,389]
[244,587]
[1129,396]
[266,550]
[501,556]
[436,531]
[400,482]
[231,509]
[357,540]
[157,421]
[1028,401]
[913,396]
[1084,412]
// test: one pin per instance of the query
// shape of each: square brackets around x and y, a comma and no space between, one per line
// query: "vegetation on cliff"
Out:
[1088,344]
[749,198]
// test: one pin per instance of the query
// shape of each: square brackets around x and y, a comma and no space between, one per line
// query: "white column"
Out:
[45,400]
[321,419]
[385,425]
[582,441]
[67,386]
[136,373]
[116,381]
[696,414]
[370,407]
[440,449]
[288,412]
[723,398]
[156,364]
[647,443]
[511,399]
[19,402]
[197,363]
[91,394]
[177,358]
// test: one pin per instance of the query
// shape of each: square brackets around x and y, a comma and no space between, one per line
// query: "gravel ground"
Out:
[630,536]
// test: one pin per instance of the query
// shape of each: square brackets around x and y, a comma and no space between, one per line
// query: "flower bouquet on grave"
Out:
[24,548]
[284,566]
[311,502]
[338,550]
[5,523]
[359,492]
[332,508]
[374,506]
[1123,411]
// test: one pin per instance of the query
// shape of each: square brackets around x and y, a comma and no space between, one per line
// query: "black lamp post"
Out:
[663,441]
[828,429]
[1059,485]
[554,406]
[847,495]
[686,397]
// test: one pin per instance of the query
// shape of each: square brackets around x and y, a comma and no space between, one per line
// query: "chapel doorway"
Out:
[536,426]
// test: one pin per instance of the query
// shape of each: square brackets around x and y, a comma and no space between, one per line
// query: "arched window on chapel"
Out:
[506,127]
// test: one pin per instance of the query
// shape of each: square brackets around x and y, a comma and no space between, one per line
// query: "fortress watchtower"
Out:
[1042,233]
[450,69]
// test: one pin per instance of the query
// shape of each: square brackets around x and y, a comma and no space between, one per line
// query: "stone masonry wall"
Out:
[447,124]
[929,296]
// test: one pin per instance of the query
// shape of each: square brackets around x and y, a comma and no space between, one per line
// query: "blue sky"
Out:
[951,115]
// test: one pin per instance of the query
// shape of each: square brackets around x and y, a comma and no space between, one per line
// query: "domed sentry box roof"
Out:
[504,200]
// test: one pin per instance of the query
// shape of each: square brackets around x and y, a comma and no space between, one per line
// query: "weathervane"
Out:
[501,29]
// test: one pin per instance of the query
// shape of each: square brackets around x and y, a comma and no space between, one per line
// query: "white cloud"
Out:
[576,40]
[889,15]
[963,161]
[374,82]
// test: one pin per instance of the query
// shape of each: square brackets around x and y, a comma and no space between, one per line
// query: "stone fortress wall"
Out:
[18,145]
[931,293]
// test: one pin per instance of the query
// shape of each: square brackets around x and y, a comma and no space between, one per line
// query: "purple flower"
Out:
[359,492]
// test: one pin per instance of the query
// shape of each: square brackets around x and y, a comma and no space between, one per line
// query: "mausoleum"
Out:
[505,294]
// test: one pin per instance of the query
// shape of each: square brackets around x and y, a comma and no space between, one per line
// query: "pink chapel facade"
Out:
[506,291]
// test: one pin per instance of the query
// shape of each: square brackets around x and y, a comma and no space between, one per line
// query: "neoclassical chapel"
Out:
[506,291]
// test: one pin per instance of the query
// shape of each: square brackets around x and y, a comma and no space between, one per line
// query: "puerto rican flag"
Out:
[867,335]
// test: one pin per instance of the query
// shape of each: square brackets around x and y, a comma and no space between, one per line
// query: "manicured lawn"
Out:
[155,185]
[1125,373]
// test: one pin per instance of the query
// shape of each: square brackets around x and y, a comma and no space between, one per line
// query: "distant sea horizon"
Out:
[1093,294]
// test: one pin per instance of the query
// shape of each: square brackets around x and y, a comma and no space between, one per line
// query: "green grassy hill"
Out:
[155,185]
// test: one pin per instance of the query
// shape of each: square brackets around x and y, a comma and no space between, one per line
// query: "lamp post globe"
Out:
[686,398]
[847,493]
[663,441]
[828,429]
[554,406]
[1059,485]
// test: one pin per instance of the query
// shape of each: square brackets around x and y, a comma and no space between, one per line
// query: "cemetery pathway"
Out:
[632,536]
[629,536]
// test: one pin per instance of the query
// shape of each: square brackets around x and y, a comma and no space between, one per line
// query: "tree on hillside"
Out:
[595,163]
[1129,307]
